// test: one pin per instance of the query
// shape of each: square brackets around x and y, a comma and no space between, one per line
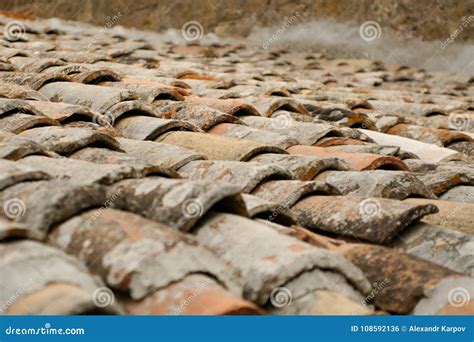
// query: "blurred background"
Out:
[436,35]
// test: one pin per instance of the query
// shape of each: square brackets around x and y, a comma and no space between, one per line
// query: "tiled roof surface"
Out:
[139,177]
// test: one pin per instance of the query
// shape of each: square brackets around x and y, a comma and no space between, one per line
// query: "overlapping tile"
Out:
[45,274]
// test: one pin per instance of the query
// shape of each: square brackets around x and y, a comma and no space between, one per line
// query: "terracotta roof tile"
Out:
[246,175]
[64,112]
[424,151]
[194,295]
[32,64]
[121,247]
[303,167]
[304,133]
[355,146]
[19,122]
[98,98]
[146,128]
[68,300]
[228,106]
[440,182]
[416,109]
[360,161]
[253,134]
[452,215]
[259,207]
[65,199]
[105,156]
[324,302]
[177,203]
[441,246]
[375,220]
[12,173]
[271,260]
[267,105]
[46,274]
[13,91]
[377,183]
[465,147]
[202,116]
[15,147]
[440,137]
[218,147]
[166,155]
[64,140]
[439,304]
[96,76]
[407,279]
[461,193]
[9,106]
[148,93]
[463,170]
[289,192]
[11,52]
[34,81]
